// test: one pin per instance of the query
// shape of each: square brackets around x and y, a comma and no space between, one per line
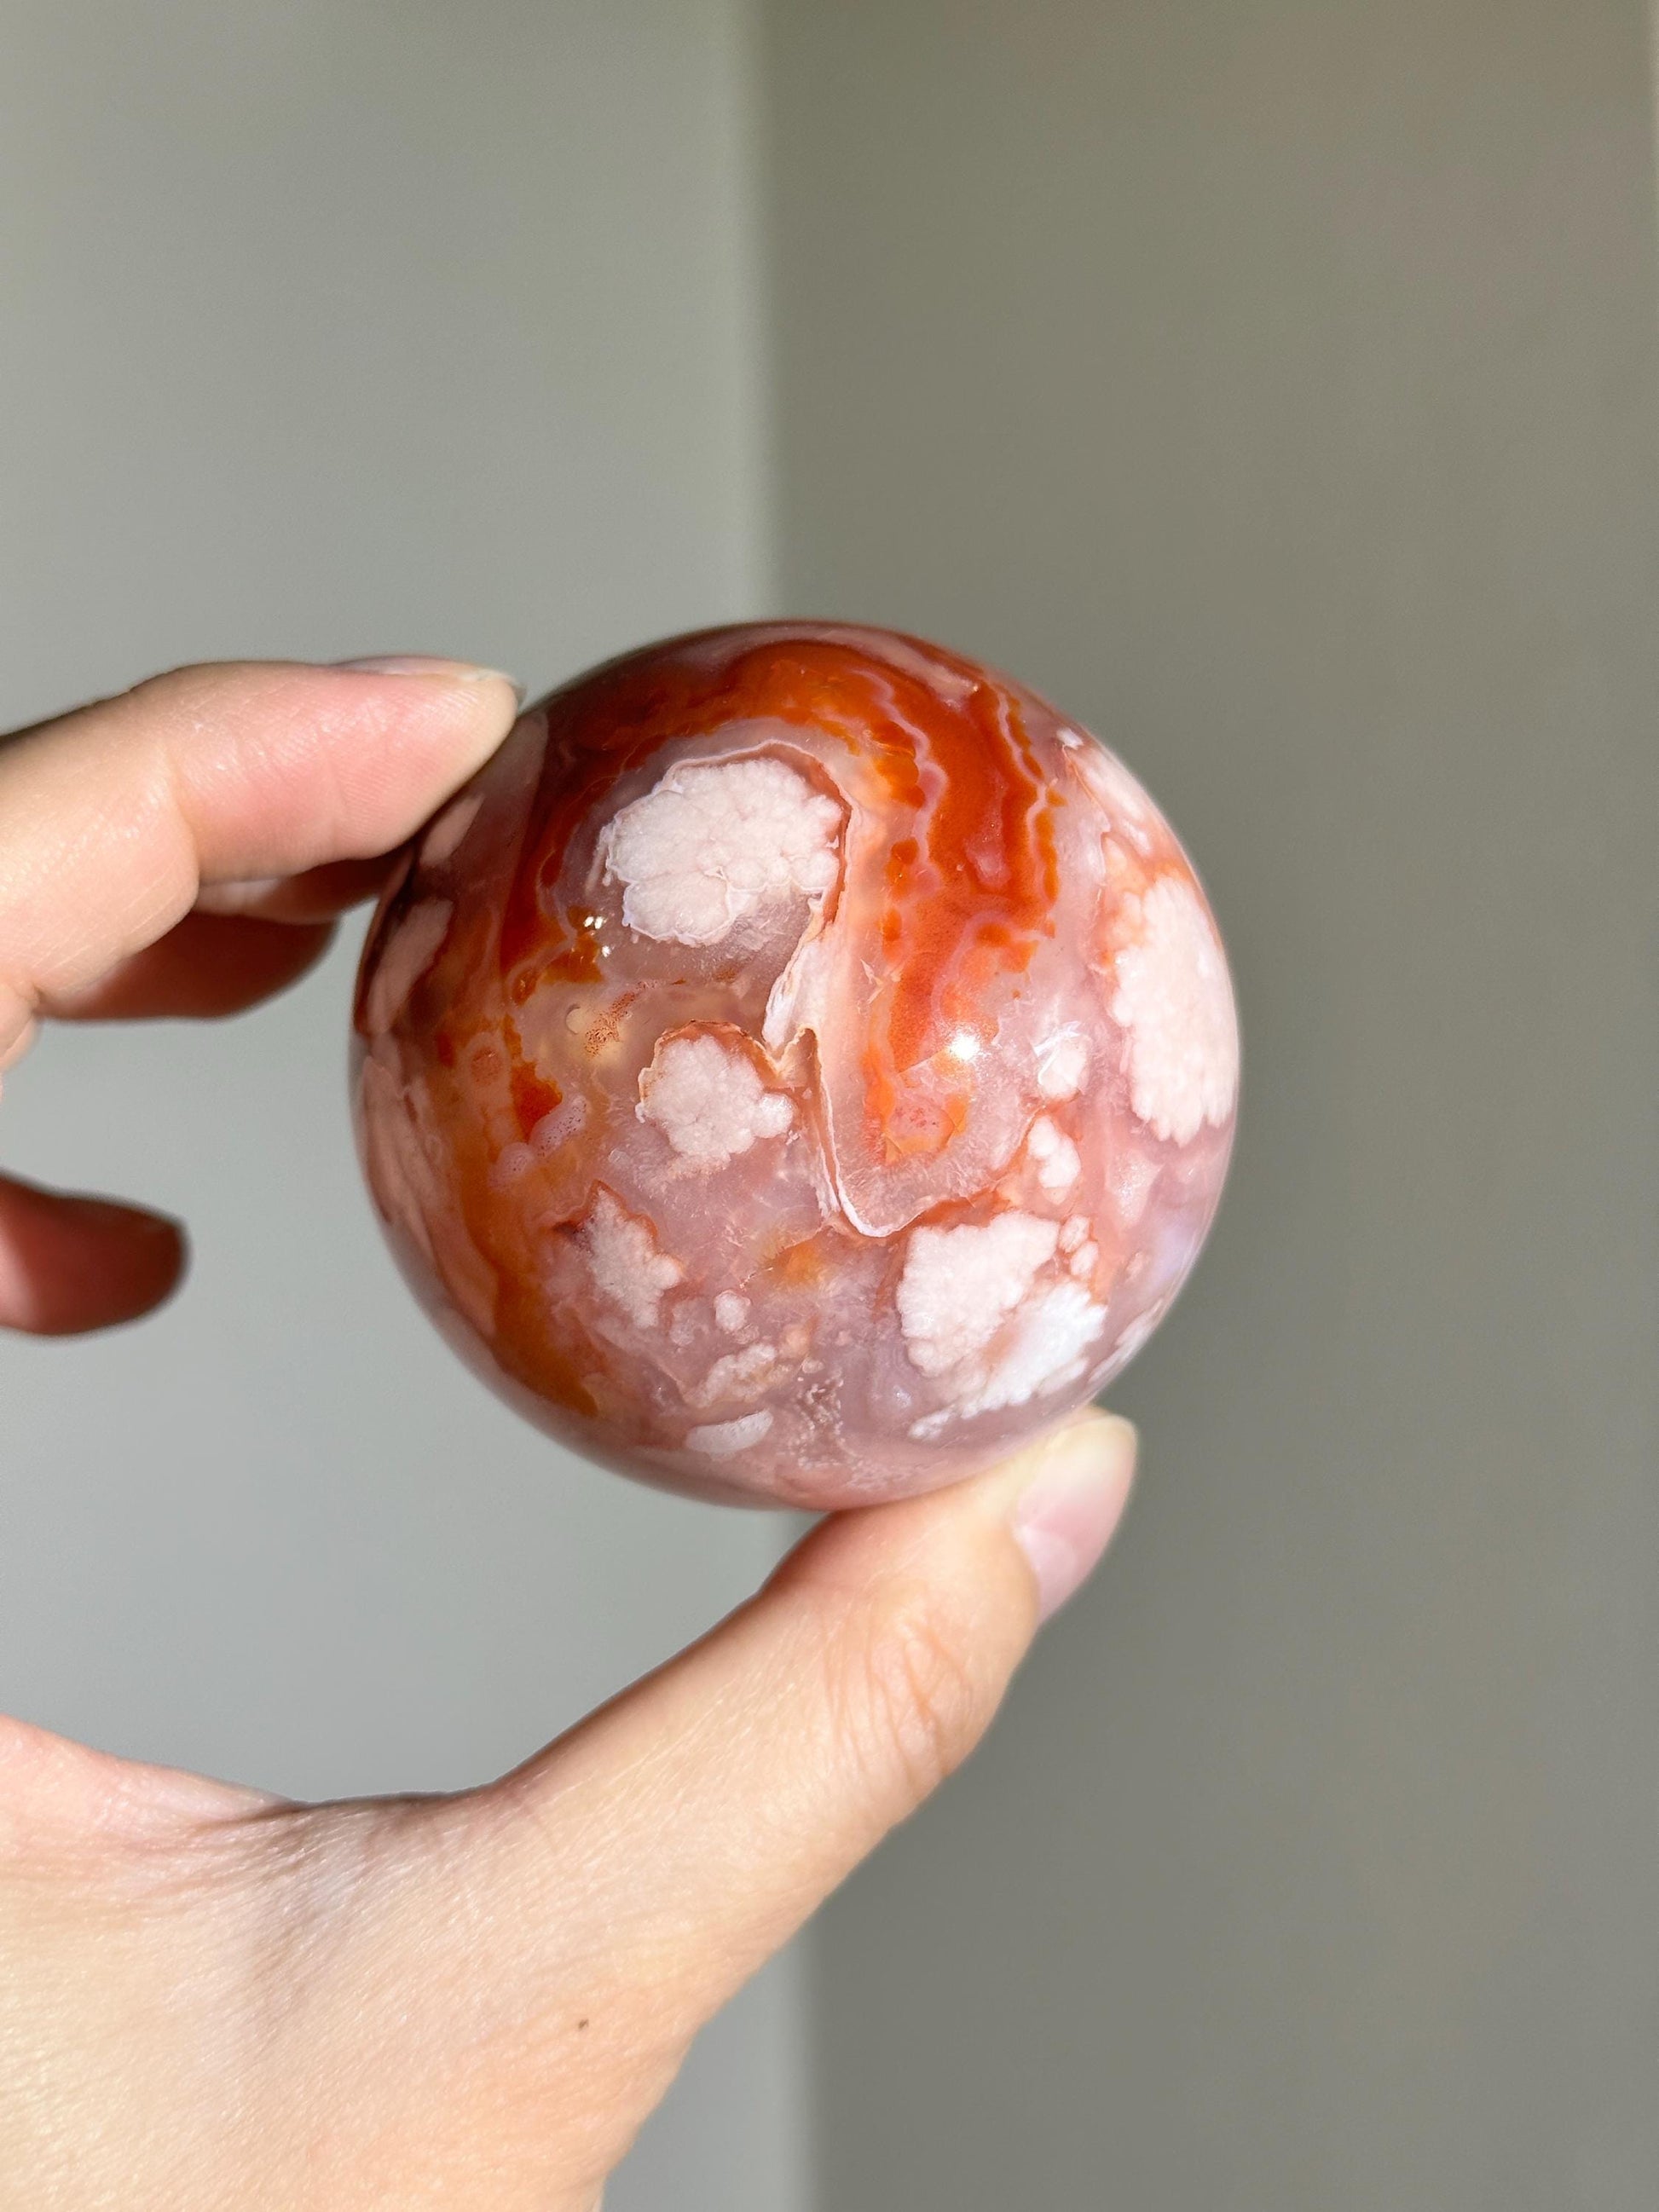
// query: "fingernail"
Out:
[1070,1507]
[422,664]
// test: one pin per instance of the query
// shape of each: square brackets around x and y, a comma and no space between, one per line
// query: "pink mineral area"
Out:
[799,1066]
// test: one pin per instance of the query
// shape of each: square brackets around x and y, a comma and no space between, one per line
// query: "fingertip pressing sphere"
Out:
[799,1065]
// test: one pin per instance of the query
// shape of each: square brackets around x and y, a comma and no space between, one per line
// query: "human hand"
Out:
[211,1998]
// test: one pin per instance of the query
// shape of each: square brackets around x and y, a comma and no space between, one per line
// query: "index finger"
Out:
[113,818]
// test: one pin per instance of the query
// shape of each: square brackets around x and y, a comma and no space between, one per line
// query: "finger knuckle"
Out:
[916,1702]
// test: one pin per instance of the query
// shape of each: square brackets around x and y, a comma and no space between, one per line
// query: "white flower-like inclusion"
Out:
[443,838]
[412,949]
[714,842]
[1054,1156]
[1062,1063]
[1175,1005]
[709,1101]
[959,1285]
[959,1289]
[626,1264]
[723,1439]
[1051,1339]
[737,1375]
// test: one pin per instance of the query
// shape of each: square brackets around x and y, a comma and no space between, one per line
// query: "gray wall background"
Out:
[1274,385]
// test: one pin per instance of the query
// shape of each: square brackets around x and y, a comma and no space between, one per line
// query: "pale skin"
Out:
[214,1999]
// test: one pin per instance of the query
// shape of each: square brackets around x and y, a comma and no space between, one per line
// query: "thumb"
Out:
[714,1805]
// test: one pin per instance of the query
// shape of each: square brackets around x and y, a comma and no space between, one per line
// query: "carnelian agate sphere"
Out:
[799,1065]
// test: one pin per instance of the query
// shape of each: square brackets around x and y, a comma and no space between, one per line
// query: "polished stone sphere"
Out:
[799,1066]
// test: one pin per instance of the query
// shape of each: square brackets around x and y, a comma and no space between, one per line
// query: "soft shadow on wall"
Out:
[1275,389]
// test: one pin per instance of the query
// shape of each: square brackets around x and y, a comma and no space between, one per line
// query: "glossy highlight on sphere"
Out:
[799,1065]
